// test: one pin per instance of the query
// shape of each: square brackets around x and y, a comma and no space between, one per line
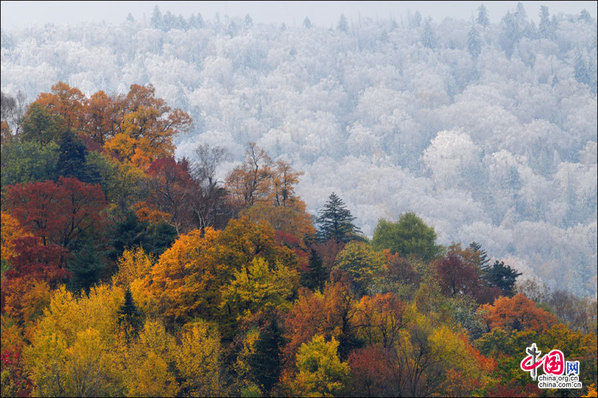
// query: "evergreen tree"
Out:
[429,39]
[316,275]
[156,21]
[482,16]
[126,234]
[129,315]
[343,26]
[130,232]
[502,276]
[335,221]
[266,361]
[547,30]
[85,266]
[306,23]
[482,255]
[72,160]
[580,68]
[474,44]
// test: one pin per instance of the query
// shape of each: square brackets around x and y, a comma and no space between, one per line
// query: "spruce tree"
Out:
[85,266]
[129,315]
[335,221]
[502,276]
[316,275]
[266,361]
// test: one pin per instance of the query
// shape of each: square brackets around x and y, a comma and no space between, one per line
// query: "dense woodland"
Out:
[485,127]
[128,272]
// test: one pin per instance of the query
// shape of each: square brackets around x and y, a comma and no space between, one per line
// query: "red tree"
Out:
[58,213]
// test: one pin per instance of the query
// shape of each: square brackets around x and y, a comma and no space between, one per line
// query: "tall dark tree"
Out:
[335,221]
[86,267]
[316,274]
[502,276]
[156,21]
[72,160]
[130,232]
[129,315]
[266,361]
[482,255]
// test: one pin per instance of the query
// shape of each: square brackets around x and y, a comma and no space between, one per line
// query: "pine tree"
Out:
[429,38]
[474,44]
[335,221]
[482,16]
[85,267]
[71,157]
[129,315]
[502,276]
[483,256]
[266,361]
[316,275]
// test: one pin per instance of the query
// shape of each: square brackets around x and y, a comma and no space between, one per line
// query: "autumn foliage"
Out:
[154,278]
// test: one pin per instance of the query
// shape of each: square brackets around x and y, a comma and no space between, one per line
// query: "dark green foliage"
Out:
[41,127]
[129,315]
[158,238]
[266,361]
[336,222]
[86,266]
[316,275]
[502,276]
[72,160]
[28,162]
[408,236]
[482,255]
[130,232]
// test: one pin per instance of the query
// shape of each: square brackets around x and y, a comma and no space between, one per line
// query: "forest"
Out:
[486,130]
[126,271]
[390,207]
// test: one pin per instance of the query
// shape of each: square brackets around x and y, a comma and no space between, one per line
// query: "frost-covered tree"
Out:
[482,18]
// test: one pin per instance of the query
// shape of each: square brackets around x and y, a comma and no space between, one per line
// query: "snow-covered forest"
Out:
[486,131]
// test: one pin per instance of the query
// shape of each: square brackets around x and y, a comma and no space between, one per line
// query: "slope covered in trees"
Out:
[128,272]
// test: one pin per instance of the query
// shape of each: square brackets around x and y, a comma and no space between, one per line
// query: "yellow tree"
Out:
[378,319]
[197,361]
[133,264]
[362,263]
[148,363]
[10,229]
[259,287]
[321,372]
[147,127]
[73,347]
[187,278]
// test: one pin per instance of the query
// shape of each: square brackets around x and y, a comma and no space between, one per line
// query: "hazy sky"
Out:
[17,14]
